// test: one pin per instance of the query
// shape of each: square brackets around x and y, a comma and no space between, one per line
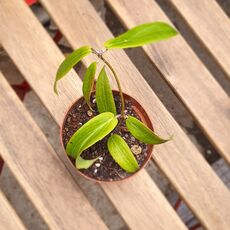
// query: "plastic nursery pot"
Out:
[105,168]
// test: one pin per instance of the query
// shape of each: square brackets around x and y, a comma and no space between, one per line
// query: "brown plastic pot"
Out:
[144,118]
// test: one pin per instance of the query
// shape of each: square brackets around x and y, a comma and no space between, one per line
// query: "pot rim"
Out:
[144,118]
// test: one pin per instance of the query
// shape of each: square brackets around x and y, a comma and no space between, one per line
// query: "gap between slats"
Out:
[201,51]
[210,25]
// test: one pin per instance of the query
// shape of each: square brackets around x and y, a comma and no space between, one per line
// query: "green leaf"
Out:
[104,95]
[122,154]
[90,133]
[70,62]
[81,163]
[141,132]
[88,82]
[142,35]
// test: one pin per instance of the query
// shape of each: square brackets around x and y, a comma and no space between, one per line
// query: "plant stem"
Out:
[117,81]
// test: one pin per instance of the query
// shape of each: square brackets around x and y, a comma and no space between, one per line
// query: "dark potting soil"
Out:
[105,168]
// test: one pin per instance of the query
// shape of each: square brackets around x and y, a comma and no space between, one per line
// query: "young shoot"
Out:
[106,121]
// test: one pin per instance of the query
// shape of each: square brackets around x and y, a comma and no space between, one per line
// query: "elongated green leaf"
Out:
[88,82]
[122,154]
[90,133]
[142,35]
[142,132]
[70,62]
[81,163]
[104,95]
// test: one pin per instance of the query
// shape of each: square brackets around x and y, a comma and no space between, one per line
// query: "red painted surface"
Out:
[177,204]
[30,2]
[57,36]
[21,89]
[196,226]
[1,164]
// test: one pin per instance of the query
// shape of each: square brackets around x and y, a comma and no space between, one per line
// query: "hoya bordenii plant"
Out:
[101,125]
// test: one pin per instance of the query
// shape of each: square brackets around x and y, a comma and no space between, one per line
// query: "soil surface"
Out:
[105,168]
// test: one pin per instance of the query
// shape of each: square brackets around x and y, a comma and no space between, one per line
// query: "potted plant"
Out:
[106,134]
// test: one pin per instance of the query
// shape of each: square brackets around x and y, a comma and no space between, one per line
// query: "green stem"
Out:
[117,81]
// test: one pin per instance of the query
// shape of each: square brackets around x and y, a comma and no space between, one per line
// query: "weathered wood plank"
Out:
[37,57]
[37,168]
[211,25]
[179,159]
[9,218]
[186,74]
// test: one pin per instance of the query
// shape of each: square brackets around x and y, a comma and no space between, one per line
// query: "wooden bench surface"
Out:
[44,56]
[186,74]
[39,170]
[8,218]
[209,22]
[192,175]
[37,57]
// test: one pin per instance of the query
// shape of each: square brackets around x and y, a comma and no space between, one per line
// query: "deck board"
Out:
[179,159]
[9,218]
[37,168]
[212,26]
[185,73]
[30,46]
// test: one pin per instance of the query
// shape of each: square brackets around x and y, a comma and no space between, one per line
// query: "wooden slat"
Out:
[37,57]
[37,168]
[182,69]
[179,159]
[8,218]
[211,25]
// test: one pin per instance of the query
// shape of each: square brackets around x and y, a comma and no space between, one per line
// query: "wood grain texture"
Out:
[36,166]
[185,73]
[179,159]
[211,25]
[37,57]
[8,218]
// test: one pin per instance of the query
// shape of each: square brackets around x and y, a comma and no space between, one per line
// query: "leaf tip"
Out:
[106,45]
[81,163]
[171,137]
[166,140]
[55,88]
[174,32]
